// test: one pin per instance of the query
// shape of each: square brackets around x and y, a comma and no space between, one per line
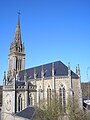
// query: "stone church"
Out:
[25,88]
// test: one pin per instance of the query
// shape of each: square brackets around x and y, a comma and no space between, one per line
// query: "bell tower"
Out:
[16,60]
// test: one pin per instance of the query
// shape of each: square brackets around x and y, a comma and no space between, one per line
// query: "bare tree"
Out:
[54,110]
[51,111]
[74,112]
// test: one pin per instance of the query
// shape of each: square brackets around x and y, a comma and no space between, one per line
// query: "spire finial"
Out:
[4,76]
[17,38]
[68,65]
[19,12]
[69,70]
[78,70]
[19,17]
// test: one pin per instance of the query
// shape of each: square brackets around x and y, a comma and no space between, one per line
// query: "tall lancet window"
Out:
[40,95]
[20,103]
[49,95]
[30,99]
[16,64]
[62,98]
[20,64]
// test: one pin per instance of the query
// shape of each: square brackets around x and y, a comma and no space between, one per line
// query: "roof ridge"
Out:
[60,70]
[42,64]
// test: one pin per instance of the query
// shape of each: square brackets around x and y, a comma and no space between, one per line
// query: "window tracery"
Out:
[62,98]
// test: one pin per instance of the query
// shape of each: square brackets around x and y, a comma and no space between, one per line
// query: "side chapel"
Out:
[23,87]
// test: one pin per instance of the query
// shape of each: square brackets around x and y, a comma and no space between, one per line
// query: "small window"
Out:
[19,103]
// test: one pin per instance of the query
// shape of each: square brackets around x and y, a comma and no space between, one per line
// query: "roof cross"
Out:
[19,13]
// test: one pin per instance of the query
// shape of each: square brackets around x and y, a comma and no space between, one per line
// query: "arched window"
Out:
[16,64]
[20,103]
[20,64]
[49,95]
[16,47]
[62,98]
[40,95]
[30,99]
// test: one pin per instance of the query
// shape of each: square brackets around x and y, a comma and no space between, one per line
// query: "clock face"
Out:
[8,102]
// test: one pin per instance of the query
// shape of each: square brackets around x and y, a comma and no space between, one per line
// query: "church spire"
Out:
[17,38]
[17,55]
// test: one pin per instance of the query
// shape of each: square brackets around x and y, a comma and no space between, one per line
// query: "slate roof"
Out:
[28,113]
[60,69]
[20,83]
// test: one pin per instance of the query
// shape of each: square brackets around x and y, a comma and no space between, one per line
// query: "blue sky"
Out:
[51,30]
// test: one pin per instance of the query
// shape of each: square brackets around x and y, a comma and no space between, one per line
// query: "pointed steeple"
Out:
[17,38]
[17,56]
[17,44]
